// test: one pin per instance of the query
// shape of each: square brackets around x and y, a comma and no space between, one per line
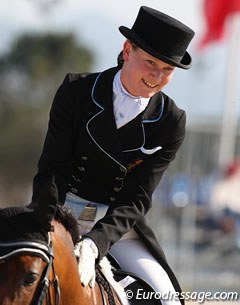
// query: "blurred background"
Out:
[196,208]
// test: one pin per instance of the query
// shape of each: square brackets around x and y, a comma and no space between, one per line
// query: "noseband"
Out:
[45,251]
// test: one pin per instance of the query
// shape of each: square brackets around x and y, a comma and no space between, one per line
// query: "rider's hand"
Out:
[88,252]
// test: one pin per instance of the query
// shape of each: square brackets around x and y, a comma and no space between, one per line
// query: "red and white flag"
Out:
[216,14]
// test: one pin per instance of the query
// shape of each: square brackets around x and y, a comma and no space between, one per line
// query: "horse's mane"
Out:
[65,216]
[17,223]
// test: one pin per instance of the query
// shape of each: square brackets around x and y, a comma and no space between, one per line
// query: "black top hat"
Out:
[161,36]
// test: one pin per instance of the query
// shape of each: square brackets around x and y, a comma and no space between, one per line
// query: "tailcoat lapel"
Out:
[101,126]
[133,135]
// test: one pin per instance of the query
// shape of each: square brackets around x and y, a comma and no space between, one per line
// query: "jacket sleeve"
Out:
[134,199]
[56,157]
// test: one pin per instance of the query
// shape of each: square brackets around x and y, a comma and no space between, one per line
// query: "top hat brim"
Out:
[184,63]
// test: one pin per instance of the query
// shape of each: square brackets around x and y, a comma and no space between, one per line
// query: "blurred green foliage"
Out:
[30,74]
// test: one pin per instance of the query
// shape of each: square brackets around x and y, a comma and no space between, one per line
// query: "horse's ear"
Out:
[46,207]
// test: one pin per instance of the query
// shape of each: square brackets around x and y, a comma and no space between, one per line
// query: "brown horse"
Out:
[37,261]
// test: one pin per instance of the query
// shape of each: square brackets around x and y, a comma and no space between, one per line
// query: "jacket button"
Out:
[73,190]
[81,168]
[84,158]
[117,189]
[76,179]
[112,199]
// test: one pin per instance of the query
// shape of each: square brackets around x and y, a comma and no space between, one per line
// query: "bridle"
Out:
[45,251]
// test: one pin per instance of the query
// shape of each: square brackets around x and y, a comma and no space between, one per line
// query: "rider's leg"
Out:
[134,257]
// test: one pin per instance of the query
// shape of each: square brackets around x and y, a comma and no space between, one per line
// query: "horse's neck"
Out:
[62,240]
[65,263]
[66,268]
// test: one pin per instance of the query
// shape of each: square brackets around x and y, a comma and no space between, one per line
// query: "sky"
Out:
[95,23]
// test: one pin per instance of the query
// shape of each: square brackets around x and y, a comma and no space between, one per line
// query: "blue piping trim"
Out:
[92,95]
[160,115]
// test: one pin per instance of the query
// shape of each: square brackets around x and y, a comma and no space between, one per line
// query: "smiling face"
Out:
[142,74]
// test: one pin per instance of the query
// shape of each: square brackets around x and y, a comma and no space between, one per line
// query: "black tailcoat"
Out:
[90,157]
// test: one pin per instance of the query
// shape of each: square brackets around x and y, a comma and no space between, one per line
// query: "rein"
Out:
[103,283]
[46,253]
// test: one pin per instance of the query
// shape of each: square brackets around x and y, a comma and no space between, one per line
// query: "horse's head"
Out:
[37,258]
[26,252]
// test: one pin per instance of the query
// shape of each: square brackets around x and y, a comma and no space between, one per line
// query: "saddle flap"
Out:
[138,291]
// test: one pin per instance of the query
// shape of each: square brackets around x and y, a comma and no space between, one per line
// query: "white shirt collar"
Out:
[126,106]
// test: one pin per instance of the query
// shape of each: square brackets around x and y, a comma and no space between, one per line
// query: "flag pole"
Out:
[229,119]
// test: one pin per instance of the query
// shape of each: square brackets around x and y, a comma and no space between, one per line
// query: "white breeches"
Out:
[131,253]
[133,256]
